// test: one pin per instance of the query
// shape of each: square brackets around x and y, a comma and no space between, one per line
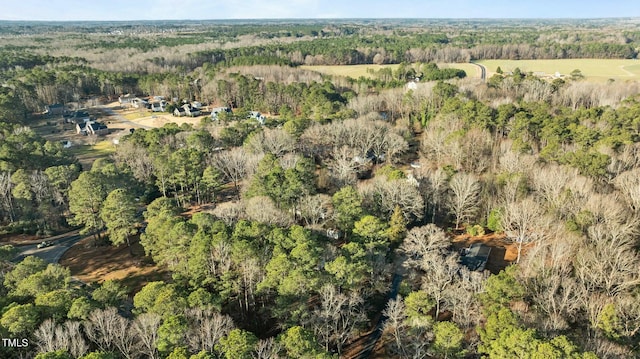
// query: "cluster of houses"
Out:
[188,109]
[192,109]
[153,103]
[85,125]
[215,114]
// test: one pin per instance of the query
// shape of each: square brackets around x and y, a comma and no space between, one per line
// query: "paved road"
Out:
[50,254]
[483,71]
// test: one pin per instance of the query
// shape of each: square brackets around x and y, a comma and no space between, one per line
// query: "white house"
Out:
[191,111]
[139,103]
[218,110]
[257,116]
[126,100]
[159,106]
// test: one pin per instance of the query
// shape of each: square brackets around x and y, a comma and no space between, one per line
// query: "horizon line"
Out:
[336,18]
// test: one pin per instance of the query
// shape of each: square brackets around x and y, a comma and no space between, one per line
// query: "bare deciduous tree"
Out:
[206,327]
[433,186]
[554,295]
[462,298]
[513,162]
[67,337]
[229,212]
[235,164]
[624,159]
[628,309]
[421,241]
[125,341]
[363,135]
[338,316]
[465,190]
[262,209]
[6,197]
[145,328]
[555,255]
[436,145]
[383,195]
[524,222]
[77,345]
[475,147]
[608,267]
[103,328]
[396,322]
[629,184]
[276,141]
[343,166]
[439,274]
[45,335]
[137,158]
[315,209]
[267,349]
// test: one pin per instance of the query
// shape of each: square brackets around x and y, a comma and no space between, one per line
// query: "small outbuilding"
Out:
[54,109]
[475,257]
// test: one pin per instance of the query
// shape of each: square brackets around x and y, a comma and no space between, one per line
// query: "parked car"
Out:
[44,244]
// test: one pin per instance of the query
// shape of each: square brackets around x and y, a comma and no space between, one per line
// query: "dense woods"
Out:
[336,223]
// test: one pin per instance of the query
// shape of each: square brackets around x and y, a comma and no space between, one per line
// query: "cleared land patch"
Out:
[593,69]
[96,264]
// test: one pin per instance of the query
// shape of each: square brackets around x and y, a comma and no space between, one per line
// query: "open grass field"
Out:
[355,71]
[87,153]
[593,69]
[137,114]
[156,121]
[102,148]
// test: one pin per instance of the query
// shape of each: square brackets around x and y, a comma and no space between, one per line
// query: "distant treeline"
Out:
[357,50]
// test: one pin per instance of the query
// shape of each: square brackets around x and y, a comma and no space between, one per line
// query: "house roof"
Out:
[80,114]
[476,257]
[96,126]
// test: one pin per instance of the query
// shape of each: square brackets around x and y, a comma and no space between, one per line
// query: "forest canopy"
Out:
[305,215]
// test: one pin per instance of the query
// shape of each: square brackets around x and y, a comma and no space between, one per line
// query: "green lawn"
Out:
[137,114]
[87,154]
[592,69]
[102,148]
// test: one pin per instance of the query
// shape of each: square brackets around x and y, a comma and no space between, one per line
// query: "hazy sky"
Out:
[64,10]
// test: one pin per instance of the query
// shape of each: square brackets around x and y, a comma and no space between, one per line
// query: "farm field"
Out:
[355,71]
[598,70]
